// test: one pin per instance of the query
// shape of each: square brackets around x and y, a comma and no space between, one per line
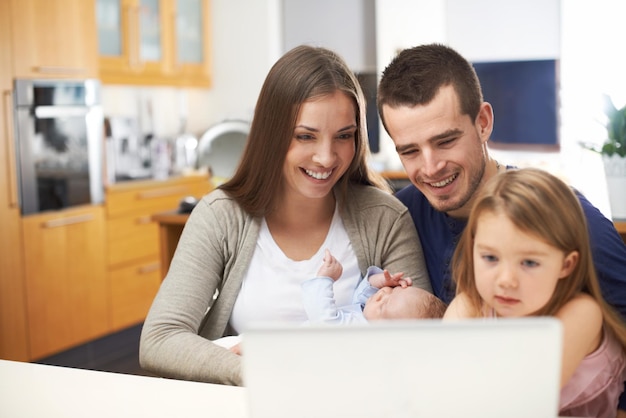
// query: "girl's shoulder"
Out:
[581,304]
[461,307]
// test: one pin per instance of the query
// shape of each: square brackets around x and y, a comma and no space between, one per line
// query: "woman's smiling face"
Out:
[322,147]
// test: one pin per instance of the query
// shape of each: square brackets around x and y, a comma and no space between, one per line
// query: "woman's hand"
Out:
[236,349]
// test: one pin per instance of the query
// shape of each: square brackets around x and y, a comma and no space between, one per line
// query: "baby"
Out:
[379,295]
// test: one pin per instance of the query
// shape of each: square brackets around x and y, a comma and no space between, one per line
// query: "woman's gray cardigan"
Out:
[213,254]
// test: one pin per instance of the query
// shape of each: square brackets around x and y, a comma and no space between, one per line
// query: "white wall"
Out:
[345,26]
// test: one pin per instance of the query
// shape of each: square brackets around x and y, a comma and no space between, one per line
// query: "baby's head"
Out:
[403,303]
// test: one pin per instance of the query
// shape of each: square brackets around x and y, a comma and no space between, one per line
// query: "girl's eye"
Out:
[489,258]
[530,263]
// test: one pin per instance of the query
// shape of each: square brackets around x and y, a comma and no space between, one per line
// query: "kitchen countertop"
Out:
[149,183]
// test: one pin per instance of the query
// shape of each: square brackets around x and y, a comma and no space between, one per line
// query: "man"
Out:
[431,105]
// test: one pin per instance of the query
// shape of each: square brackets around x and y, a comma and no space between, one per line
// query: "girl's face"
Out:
[516,273]
[322,146]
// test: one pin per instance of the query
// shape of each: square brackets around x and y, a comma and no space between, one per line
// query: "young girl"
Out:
[525,252]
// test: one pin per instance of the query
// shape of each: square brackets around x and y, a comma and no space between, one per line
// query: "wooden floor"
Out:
[117,353]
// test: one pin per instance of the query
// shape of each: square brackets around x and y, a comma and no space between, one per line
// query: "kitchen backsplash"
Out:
[144,126]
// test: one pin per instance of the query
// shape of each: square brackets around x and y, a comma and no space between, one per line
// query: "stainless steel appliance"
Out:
[59,134]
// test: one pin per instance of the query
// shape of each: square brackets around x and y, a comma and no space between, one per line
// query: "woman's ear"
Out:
[569,263]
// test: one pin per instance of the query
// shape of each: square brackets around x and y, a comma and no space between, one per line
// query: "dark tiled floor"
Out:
[117,353]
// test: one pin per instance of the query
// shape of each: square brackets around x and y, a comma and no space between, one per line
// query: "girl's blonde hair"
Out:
[542,205]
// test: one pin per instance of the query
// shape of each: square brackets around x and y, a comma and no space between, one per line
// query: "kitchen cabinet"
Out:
[54,38]
[66,289]
[13,330]
[133,252]
[154,42]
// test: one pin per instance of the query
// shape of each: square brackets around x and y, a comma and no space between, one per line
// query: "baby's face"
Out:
[388,303]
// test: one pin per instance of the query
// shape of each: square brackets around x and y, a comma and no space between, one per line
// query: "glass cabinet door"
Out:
[191,47]
[109,18]
[150,47]
[189,32]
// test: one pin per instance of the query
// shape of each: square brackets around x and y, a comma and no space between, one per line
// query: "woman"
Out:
[303,185]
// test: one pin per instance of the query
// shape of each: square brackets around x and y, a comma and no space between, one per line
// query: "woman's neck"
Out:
[303,211]
[300,227]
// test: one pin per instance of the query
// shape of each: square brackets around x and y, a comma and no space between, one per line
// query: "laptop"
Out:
[507,368]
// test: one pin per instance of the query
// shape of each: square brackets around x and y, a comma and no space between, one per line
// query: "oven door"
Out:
[59,156]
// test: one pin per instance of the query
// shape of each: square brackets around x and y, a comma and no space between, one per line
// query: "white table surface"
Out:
[35,390]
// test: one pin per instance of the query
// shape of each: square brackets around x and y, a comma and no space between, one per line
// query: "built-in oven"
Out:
[59,134]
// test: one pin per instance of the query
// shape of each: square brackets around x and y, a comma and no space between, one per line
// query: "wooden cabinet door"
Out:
[65,269]
[54,39]
[13,332]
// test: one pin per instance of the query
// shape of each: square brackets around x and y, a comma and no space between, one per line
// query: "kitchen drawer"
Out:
[153,196]
[132,290]
[131,237]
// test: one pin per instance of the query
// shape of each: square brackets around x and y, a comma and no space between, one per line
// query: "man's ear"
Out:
[569,263]
[484,121]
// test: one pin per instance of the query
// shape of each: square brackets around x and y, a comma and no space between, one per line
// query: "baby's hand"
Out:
[391,280]
[331,267]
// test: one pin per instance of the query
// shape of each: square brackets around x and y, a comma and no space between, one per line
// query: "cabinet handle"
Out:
[171,191]
[71,220]
[59,70]
[12,166]
[142,220]
[149,268]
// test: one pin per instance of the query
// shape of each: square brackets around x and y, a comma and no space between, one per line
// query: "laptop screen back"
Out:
[474,368]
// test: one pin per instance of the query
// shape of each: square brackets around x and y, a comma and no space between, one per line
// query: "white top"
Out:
[271,290]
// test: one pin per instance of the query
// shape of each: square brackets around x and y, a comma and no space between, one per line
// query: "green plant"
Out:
[615,143]
[616,130]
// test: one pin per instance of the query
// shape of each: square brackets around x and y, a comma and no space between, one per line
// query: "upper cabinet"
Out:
[54,39]
[154,42]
